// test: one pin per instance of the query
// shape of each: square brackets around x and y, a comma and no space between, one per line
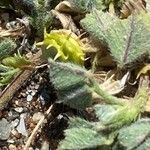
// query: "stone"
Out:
[18,109]
[37,116]
[15,122]
[12,147]
[45,146]
[5,129]
[10,141]
[29,98]
[21,128]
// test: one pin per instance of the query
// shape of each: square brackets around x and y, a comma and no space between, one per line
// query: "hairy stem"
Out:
[109,99]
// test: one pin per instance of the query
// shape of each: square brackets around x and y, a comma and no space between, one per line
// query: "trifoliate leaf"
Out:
[136,136]
[127,39]
[70,81]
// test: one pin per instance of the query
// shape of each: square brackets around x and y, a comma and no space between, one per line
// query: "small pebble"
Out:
[19,109]
[10,113]
[32,126]
[29,91]
[15,123]
[17,103]
[29,98]
[37,116]
[12,147]
[32,83]
[36,86]
[10,141]
[31,87]
[45,146]
[23,94]
[33,92]
[14,132]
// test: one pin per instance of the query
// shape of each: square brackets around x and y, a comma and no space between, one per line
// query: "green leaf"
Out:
[71,84]
[136,136]
[81,134]
[7,75]
[83,5]
[97,22]
[17,61]
[27,6]
[113,116]
[104,112]
[6,47]
[127,39]
[77,122]
[80,138]
[11,66]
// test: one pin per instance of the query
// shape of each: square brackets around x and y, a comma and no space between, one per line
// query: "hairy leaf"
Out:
[114,116]
[80,138]
[42,19]
[70,81]
[136,136]
[11,66]
[7,74]
[127,39]
[103,112]
[27,6]
[6,47]
[83,5]
[16,61]
[79,122]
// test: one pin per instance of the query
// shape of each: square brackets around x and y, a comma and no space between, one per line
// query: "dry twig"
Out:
[40,123]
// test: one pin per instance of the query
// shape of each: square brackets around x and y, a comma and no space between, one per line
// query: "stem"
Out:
[106,96]
[112,8]
[142,95]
